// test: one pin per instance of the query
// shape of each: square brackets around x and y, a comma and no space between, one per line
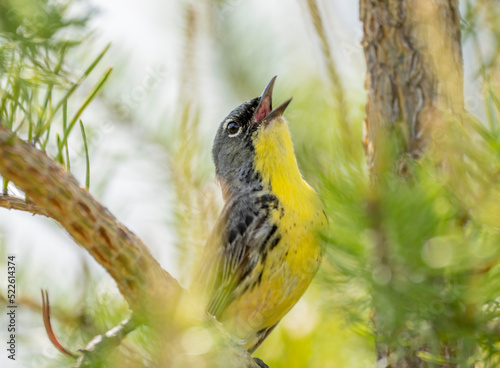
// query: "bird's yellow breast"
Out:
[275,161]
[288,268]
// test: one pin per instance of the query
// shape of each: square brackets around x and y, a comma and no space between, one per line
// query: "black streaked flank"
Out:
[232,236]
[275,242]
[241,228]
[248,220]
[268,202]
[269,235]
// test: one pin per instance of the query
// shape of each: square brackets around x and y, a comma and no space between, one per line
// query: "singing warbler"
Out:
[264,250]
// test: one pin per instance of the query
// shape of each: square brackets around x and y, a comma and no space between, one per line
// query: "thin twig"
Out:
[27,302]
[333,75]
[48,326]
[21,204]
[101,345]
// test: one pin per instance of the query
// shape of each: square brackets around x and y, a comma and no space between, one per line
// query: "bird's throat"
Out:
[276,163]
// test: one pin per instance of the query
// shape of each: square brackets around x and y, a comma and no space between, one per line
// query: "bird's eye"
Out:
[233,128]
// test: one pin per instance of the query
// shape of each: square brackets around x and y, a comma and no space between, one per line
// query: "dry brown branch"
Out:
[21,204]
[26,302]
[48,326]
[140,278]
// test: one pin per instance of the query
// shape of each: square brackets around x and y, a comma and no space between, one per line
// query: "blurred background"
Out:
[179,67]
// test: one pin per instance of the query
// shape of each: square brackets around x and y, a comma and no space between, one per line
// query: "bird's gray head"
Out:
[233,150]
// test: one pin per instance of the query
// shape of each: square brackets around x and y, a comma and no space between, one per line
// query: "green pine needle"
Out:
[87,101]
[87,160]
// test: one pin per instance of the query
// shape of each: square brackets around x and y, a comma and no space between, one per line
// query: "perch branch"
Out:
[140,278]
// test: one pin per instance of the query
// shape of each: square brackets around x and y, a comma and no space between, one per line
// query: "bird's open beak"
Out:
[264,112]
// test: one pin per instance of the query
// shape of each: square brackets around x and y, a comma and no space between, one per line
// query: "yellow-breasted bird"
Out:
[264,250]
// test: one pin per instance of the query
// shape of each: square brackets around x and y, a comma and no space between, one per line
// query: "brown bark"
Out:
[415,83]
[21,204]
[57,194]
[414,71]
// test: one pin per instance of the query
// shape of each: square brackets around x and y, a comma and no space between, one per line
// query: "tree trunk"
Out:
[415,83]
[414,70]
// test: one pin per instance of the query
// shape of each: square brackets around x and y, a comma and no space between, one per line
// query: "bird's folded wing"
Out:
[234,250]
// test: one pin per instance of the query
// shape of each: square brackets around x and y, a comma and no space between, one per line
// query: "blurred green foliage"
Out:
[36,83]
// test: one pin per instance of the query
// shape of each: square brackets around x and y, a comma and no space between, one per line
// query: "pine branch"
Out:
[21,204]
[57,194]
[103,344]
[414,72]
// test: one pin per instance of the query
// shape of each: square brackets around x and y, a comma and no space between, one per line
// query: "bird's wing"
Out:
[233,251]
